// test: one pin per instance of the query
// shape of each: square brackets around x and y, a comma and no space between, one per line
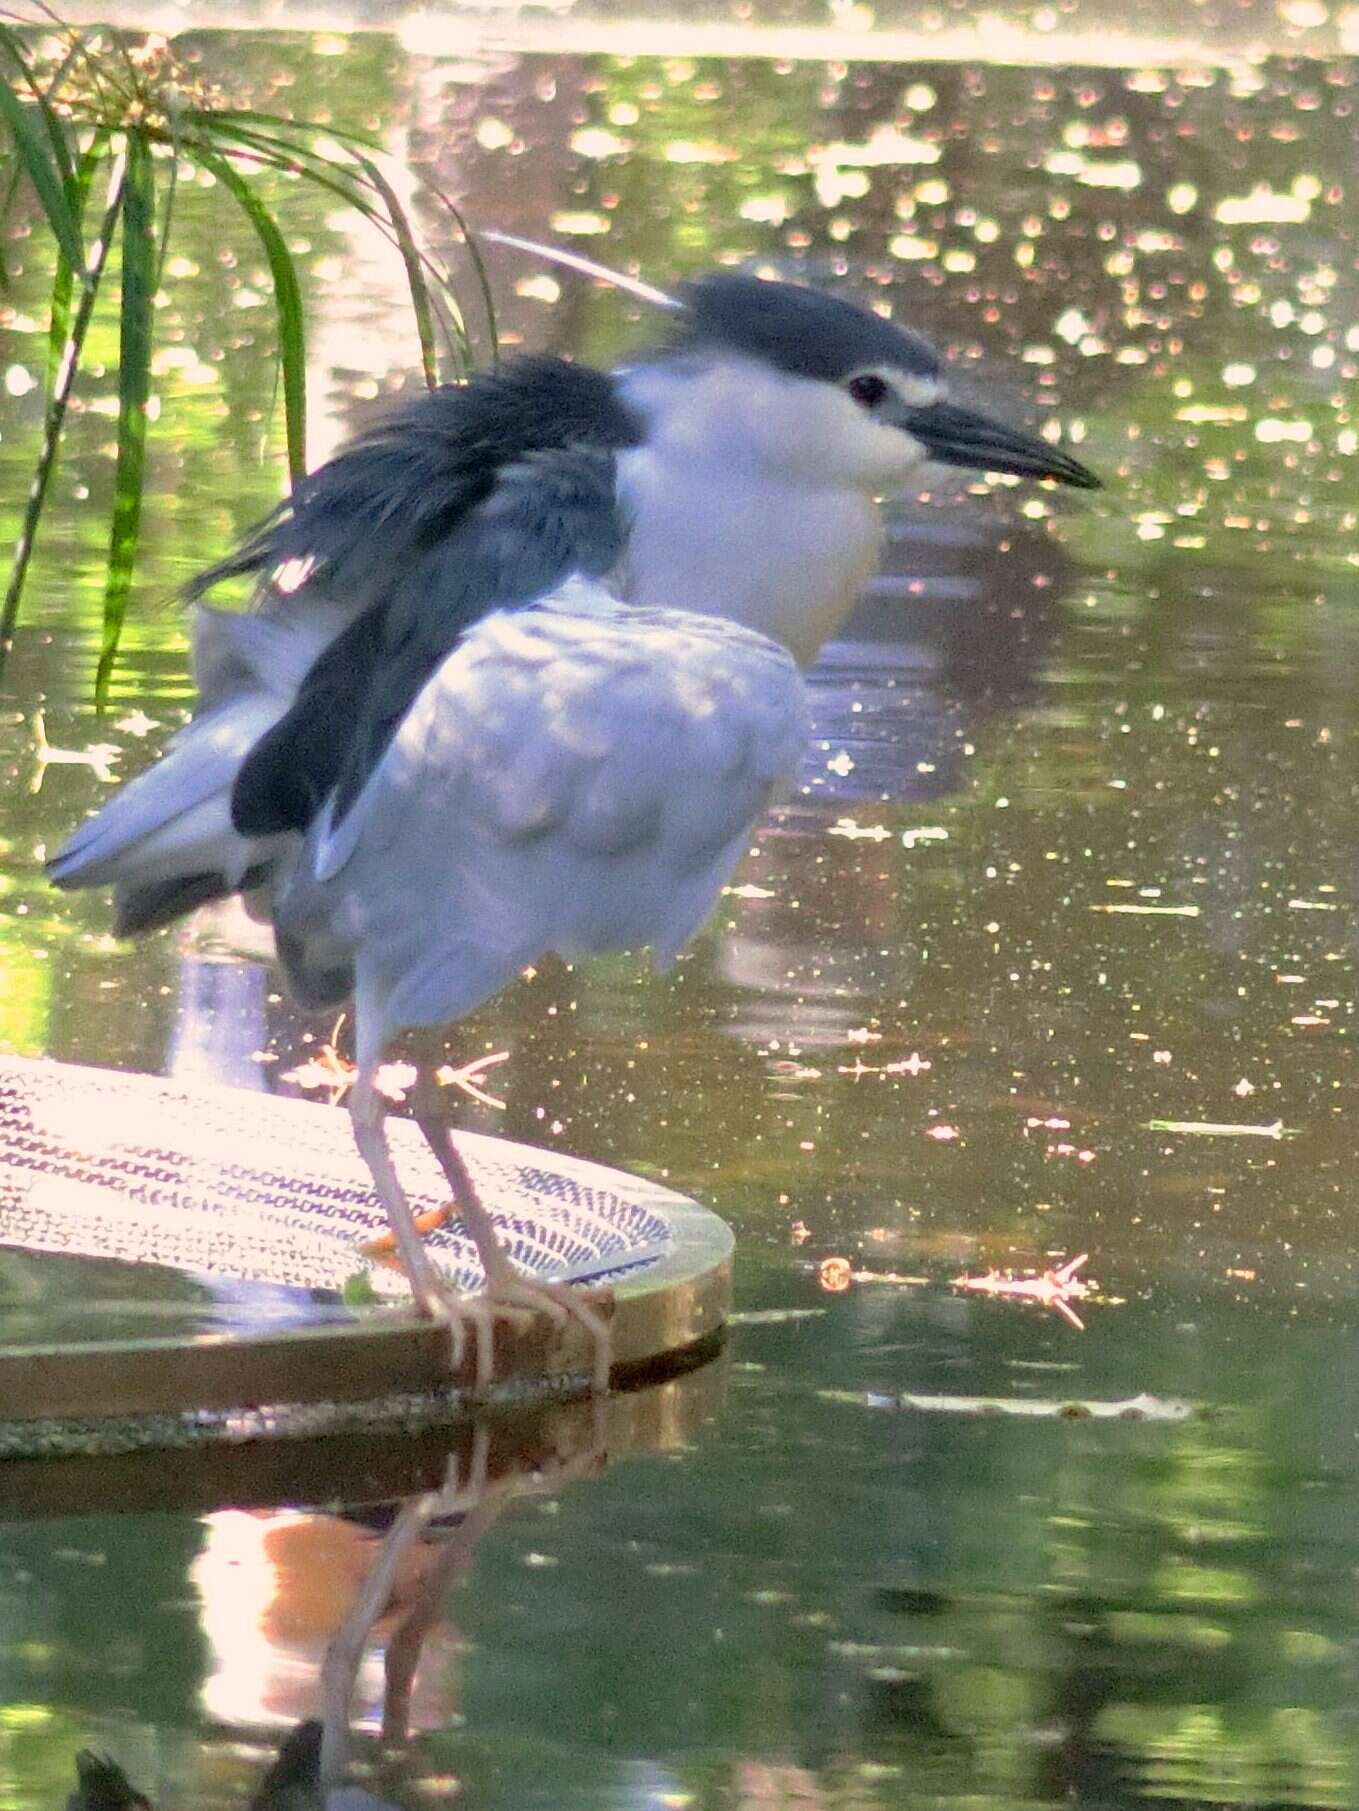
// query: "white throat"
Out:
[753,499]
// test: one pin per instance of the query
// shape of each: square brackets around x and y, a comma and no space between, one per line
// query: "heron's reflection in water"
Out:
[426,1549]
[340,1625]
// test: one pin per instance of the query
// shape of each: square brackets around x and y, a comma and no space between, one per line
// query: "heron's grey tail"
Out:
[166,842]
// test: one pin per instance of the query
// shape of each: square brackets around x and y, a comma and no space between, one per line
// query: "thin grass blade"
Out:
[171,190]
[308,166]
[478,265]
[290,159]
[56,135]
[292,341]
[63,281]
[411,258]
[312,166]
[68,62]
[351,187]
[33,145]
[78,48]
[210,120]
[6,203]
[56,408]
[134,391]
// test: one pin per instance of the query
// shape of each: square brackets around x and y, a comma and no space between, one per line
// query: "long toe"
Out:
[444,1305]
[477,1315]
[561,1302]
[482,1312]
[517,1302]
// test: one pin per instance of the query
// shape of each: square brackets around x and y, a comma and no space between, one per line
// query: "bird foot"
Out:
[511,1297]
[516,1302]
[474,1314]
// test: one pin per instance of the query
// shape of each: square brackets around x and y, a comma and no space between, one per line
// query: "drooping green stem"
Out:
[57,404]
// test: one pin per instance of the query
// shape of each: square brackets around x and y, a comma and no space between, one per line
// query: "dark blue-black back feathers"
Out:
[405,482]
[462,501]
[551,514]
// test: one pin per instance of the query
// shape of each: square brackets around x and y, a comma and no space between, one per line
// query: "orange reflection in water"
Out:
[275,1589]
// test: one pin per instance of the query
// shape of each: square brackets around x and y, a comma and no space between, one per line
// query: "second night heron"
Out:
[523,673]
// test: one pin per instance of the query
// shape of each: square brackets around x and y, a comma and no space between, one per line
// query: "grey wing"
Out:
[460,502]
[566,781]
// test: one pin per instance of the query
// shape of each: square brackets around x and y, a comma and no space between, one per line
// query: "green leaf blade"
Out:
[56,409]
[63,280]
[134,393]
[56,136]
[34,146]
[292,341]
[212,118]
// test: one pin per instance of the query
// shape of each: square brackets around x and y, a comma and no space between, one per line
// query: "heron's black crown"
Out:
[801,331]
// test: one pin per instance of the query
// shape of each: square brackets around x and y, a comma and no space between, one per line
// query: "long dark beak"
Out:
[963,437]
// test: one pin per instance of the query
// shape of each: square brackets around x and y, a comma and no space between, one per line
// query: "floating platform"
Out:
[661,1411]
[239,1188]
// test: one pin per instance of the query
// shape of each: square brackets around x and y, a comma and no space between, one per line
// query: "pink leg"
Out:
[434,1295]
[507,1289]
[368,1114]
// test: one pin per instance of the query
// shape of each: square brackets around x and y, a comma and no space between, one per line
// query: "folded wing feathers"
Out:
[400,487]
[571,782]
[175,817]
[613,733]
[374,532]
[261,650]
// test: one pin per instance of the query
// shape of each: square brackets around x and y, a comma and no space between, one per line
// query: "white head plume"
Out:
[587,267]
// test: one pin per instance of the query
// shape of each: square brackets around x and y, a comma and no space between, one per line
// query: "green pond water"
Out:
[1052,955]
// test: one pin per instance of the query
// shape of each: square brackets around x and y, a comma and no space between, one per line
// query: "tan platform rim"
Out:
[678,1302]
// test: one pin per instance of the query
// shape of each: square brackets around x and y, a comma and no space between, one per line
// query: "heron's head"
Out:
[804,380]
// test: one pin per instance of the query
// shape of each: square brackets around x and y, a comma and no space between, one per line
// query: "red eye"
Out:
[867,390]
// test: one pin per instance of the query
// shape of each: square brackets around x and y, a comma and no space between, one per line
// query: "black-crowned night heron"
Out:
[524,672]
